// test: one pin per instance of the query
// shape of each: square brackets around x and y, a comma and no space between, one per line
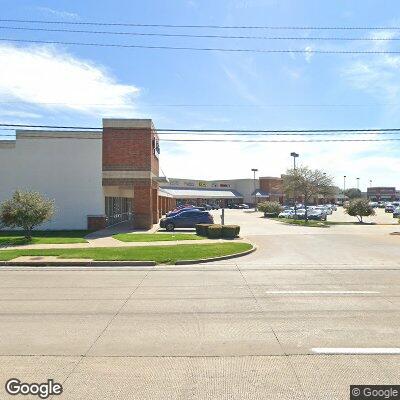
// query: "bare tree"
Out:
[308,183]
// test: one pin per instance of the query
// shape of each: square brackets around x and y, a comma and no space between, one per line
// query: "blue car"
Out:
[178,211]
[186,219]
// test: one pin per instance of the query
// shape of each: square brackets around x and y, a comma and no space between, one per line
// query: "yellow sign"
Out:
[202,184]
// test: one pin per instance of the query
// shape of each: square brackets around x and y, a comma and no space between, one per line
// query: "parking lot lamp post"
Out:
[358,183]
[255,191]
[294,155]
[344,188]
[370,183]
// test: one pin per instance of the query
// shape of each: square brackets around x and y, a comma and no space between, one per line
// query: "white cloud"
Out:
[309,53]
[367,160]
[377,75]
[57,13]
[43,74]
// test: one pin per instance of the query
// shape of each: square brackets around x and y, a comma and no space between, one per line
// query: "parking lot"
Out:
[297,319]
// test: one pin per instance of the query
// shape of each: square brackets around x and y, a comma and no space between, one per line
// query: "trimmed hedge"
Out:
[216,231]
[270,215]
[201,229]
[230,231]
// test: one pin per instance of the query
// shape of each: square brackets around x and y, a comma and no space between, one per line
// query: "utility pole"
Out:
[255,190]
[294,155]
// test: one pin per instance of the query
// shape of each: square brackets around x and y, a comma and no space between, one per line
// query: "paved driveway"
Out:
[259,327]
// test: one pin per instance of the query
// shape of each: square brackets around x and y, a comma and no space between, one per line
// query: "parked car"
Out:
[317,215]
[186,219]
[243,206]
[300,214]
[389,208]
[396,212]
[178,211]
[207,206]
[373,204]
[286,214]
[324,209]
[215,206]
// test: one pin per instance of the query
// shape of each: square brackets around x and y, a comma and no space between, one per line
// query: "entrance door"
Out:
[118,209]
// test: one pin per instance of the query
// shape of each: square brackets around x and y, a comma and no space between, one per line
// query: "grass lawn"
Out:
[160,254]
[16,238]
[155,237]
[300,222]
[322,224]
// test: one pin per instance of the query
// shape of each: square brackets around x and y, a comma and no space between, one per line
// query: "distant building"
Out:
[382,193]
[224,192]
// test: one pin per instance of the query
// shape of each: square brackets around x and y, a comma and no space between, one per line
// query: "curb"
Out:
[77,263]
[118,263]
[227,257]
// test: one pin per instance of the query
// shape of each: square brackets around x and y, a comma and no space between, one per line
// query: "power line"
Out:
[287,27]
[220,49]
[36,136]
[327,105]
[186,35]
[224,132]
[211,130]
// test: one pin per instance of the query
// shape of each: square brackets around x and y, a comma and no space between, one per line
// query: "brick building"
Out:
[96,178]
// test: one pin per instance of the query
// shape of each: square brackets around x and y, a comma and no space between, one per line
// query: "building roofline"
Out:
[127,123]
[32,134]
[7,144]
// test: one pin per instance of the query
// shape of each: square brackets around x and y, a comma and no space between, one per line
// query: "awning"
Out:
[179,193]
[260,193]
[163,193]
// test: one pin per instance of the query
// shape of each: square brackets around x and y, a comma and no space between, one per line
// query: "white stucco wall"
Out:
[60,166]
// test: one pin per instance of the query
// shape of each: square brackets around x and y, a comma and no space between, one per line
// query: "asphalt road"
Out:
[259,327]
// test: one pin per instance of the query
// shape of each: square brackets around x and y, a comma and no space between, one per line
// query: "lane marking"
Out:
[356,350]
[320,292]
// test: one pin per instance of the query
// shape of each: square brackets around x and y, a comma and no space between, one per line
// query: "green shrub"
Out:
[201,229]
[270,215]
[270,207]
[359,208]
[214,231]
[230,231]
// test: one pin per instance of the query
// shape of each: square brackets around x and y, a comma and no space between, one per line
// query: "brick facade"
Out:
[96,222]
[273,186]
[129,146]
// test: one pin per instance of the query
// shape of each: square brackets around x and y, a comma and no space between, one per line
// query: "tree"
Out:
[353,193]
[359,208]
[26,210]
[270,207]
[307,183]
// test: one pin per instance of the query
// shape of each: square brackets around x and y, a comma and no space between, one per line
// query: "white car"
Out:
[286,214]
[326,210]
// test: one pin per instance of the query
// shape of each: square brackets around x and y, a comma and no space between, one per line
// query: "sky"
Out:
[63,84]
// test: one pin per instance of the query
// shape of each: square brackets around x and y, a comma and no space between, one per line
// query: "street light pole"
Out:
[358,183]
[294,155]
[344,188]
[255,191]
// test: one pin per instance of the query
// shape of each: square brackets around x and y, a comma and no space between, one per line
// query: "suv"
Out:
[186,219]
